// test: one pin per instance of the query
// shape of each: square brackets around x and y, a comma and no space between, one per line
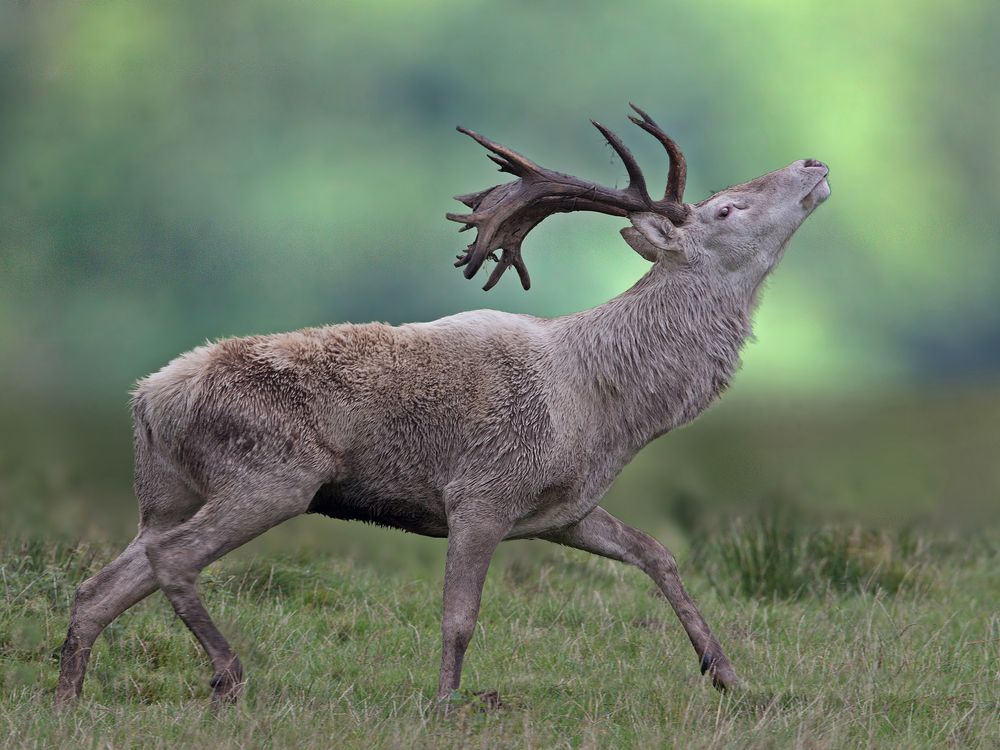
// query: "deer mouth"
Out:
[819,193]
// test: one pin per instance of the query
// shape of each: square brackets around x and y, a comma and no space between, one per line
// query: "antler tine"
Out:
[510,257]
[636,180]
[472,200]
[677,175]
[509,160]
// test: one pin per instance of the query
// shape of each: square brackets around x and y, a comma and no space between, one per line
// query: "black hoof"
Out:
[228,684]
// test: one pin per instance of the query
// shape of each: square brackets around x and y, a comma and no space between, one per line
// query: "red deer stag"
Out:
[478,427]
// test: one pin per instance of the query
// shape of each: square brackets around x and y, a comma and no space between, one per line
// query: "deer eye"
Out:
[723,212]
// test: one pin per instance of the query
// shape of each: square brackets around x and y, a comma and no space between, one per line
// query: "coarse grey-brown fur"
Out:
[481,426]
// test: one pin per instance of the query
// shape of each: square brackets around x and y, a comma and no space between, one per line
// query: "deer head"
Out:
[738,233]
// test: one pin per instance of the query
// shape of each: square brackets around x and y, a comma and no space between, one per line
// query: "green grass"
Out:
[850,631]
[584,652]
[777,556]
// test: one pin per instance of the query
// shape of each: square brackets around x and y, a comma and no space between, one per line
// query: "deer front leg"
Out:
[471,543]
[602,534]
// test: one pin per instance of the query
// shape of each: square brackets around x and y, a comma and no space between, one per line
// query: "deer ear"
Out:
[641,245]
[655,230]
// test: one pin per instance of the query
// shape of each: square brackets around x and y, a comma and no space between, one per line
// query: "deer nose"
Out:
[813,163]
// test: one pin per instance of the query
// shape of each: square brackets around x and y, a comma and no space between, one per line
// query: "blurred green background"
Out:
[176,172]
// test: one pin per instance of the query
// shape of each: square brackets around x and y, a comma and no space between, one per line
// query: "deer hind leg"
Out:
[227,521]
[164,500]
[97,602]
[602,534]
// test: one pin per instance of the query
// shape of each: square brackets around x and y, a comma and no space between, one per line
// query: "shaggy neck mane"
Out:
[657,355]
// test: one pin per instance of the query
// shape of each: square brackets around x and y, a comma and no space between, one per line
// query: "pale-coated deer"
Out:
[478,427]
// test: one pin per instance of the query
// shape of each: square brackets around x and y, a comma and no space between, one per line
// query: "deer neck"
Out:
[656,356]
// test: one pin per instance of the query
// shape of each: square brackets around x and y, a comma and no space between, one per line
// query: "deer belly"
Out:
[351,500]
[556,509]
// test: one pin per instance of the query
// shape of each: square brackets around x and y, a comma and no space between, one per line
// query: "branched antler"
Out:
[504,214]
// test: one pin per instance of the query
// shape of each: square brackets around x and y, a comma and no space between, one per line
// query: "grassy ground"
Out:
[894,644]
[847,637]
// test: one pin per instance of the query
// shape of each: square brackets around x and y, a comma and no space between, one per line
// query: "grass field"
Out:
[894,644]
[847,555]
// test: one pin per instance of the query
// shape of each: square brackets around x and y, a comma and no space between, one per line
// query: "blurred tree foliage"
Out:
[171,172]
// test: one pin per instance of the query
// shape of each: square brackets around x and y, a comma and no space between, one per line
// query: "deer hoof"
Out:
[227,685]
[464,703]
[723,675]
[725,679]
[490,700]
